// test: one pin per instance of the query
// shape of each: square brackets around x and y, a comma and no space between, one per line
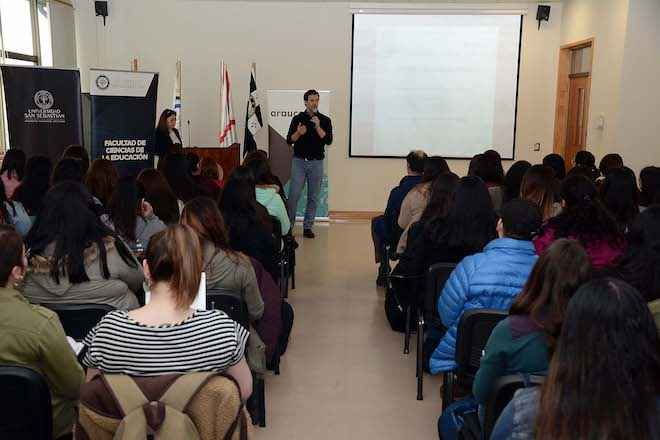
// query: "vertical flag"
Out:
[177,95]
[227,136]
[253,119]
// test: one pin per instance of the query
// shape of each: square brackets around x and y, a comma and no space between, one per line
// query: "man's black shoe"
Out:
[308,233]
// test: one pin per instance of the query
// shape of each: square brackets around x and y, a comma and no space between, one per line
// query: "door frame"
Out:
[563,92]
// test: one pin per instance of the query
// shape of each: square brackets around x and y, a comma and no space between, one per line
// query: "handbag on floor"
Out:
[460,421]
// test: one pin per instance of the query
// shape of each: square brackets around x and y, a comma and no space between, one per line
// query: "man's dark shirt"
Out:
[310,146]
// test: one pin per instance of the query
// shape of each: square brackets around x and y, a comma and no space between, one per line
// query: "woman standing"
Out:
[167,135]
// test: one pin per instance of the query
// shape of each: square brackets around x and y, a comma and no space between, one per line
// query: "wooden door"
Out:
[578,115]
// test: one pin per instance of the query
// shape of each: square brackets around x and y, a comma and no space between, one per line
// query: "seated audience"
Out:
[267,192]
[604,377]
[556,162]
[32,336]
[246,223]
[75,258]
[384,229]
[640,265]
[415,201]
[225,268]
[67,169]
[12,170]
[160,195]
[78,153]
[13,213]
[584,218]
[649,182]
[620,196]
[522,342]
[213,173]
[513,179]
[36,184]
[539,187]
[488,167]
[165,333]
[102,180]
[586,161]
[132,215]
[468,226]
[175,170]
[261,154]
[610,162]
[490,279]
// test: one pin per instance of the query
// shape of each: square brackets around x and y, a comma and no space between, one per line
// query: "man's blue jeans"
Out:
[310,171]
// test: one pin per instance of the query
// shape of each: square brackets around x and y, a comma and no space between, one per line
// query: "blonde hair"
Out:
[175,257]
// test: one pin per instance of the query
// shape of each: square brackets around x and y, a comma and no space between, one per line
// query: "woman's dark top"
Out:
[163,142]
[260,245]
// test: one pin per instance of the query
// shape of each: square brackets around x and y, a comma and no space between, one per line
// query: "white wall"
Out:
[638,131]
[296,46]
[63,34]
[605,21]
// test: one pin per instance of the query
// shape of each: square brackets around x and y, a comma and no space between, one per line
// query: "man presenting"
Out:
[309,133]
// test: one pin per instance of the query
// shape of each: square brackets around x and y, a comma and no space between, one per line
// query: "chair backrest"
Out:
[79,319]
[230,303]
[474,329]
[25,407]
[436,277]
[503,391]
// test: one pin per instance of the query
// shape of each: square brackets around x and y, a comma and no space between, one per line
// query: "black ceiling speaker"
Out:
[101,8]
[542,14]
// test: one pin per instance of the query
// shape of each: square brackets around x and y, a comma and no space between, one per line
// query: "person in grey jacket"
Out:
[75,258]
[132,215]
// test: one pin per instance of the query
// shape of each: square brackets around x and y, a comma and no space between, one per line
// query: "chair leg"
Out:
[420,358]
[406,338]
[447,389]
[262,403]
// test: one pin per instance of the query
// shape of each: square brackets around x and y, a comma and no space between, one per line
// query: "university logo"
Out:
[44,99]
[102,82]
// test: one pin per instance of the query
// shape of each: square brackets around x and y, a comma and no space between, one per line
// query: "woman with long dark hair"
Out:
[102,180]
[176,172]
[488,167]
[75,258]
[160,195]
[167,137]
[35,184]
[556,162]
[417,198]
[523,342]
[267,192]
[584,218]
[649,182]
[586,162]
[620,196]
[513,179]
[640,265]
[13,213]
[12,170]
[604,377]
[132,214]
[245,219]
[539,187]
[468,226]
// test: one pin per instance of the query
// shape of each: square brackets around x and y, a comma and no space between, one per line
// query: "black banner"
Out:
[43,109]
[123,118]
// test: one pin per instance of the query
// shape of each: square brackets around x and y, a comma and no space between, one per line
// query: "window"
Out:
[25,32]
[25,40]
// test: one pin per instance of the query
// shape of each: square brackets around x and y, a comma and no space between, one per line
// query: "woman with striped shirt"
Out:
[167,336]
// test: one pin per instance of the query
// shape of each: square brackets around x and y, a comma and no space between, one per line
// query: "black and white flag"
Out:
[253,119]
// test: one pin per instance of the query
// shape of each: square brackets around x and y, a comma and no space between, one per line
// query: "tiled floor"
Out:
[344,375]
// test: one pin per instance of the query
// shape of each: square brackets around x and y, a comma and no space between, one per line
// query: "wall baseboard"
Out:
[354,215]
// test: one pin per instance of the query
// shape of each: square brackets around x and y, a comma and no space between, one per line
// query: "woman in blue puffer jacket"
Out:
[490,279]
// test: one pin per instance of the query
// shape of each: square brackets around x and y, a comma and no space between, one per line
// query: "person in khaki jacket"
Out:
[75,258]
[32,336]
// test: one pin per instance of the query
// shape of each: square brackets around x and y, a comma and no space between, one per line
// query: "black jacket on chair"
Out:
[163,142]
